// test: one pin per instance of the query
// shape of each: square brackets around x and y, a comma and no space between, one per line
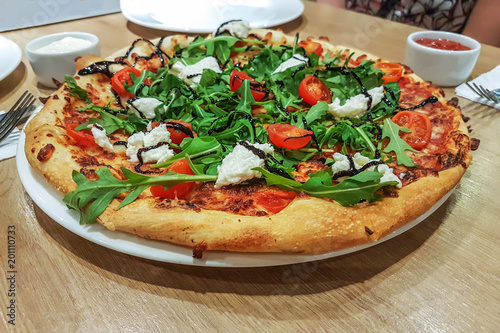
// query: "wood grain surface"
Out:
[440,276]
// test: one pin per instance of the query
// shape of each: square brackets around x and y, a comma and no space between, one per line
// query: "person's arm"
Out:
[484,24]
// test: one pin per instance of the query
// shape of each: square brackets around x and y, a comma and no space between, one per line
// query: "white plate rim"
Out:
[128,12]
[50,202]
[15,59]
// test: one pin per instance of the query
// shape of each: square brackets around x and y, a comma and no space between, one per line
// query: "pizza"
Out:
[249,141]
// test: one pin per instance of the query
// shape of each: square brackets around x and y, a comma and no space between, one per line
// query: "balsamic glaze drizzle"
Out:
[219,31]
[158,51]
[158,46]
[307,127]
[100,67]
[262,155]
[225,64]
[256,151]
[298,137]
[141,160]
[180,127]
[131,103]
[229,122]
[230,119]
[432,99]
[298,69]
[120,143]
[352,168]
[256,37]
[278,171]
[254,85]
[152,55]
[281,107]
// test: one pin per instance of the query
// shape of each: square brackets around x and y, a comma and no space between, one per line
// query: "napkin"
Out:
[8,146]
[489,80]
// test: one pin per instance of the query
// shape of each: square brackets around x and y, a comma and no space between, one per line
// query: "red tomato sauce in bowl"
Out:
[442,44]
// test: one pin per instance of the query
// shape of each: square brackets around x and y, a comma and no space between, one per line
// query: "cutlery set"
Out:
[17,112]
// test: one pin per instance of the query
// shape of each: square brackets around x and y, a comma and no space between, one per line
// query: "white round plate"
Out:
[50,201]
[10,57]
[205,16]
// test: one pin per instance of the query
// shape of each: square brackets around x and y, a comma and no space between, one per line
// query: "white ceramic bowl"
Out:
[48,65]
[442,67]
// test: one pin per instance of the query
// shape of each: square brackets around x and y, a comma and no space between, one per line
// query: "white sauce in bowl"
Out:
[64,45]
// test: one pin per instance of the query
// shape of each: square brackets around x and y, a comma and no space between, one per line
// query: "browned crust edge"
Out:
[307,225]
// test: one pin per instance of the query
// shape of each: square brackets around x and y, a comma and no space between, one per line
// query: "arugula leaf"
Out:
[99,193]
[263,64]
[75,90]
[285,98]
[331,60]
[246,98]
[396,144]
[316,112]
[222,51]
[204,150]
[208,78]
[219,45]
[112,123]
[365,138]
[388,104]
[138,88]
[208,43]
[348,192]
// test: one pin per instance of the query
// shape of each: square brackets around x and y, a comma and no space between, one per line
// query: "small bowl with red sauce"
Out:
[444,58]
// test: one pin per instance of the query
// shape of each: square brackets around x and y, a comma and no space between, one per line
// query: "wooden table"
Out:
[442,275]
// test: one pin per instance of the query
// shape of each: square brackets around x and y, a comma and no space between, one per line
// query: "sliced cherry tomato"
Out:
[420,126]
[288,136]
[311,47]
[177,134]
[256,88]
[122,76]
[392,71]
[83,138]
[178,191]
[274,201]
[312,90]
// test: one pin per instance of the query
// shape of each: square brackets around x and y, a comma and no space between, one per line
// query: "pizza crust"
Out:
[308,225]
[41,134]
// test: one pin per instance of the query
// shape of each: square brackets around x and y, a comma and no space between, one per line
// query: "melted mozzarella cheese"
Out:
[149,139]
[101,137]
[237,166]
[237,28]
[191,74]
[342,164]
[145,106]
[294,61]
[357,106]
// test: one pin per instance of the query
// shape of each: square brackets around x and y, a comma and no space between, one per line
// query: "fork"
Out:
[483,92]
[16,112]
